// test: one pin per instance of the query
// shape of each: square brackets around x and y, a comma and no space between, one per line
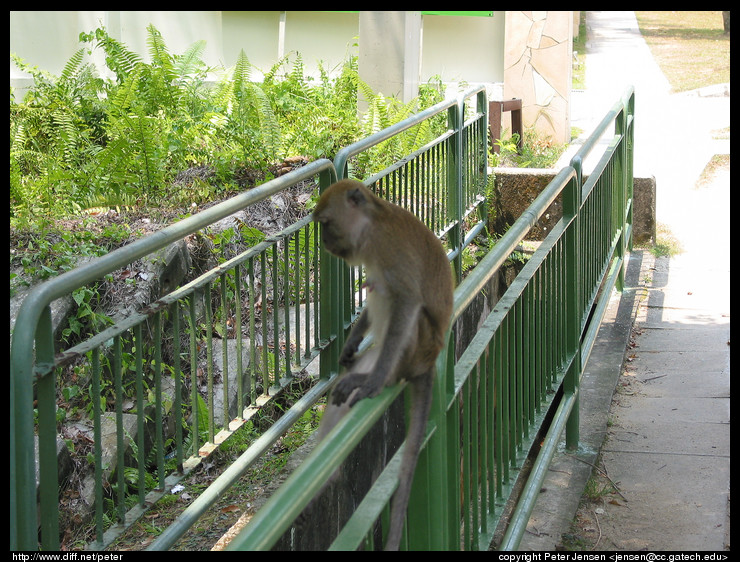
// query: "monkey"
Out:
[408,309]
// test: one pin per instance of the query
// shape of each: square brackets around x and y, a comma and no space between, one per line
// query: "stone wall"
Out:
[517,188]
[537,69]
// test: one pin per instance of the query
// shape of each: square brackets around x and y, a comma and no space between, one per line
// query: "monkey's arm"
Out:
[347,356]
[402,323]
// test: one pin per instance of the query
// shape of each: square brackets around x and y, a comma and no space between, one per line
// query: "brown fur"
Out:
[409,305]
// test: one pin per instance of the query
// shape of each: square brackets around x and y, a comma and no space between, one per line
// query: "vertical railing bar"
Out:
[225,349]
[97,445]
[286,310]
[194,394]
[514,429]
[484,441]
[297,298]
[239,340]
[307,253]
[209,360]
[501,465]
[265,319]
[158,411]
[177,367]
[120,449]
[252,333]
[475,440]
[491,424]
[466,467]
[275,322]
[521,373]
[141,453]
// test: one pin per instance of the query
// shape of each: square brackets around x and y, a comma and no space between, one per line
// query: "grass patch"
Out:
[716,164]
[691,48]
[579,55]
[666,244]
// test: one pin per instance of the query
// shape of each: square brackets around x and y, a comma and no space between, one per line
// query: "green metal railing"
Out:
[489,402]
[157,357]
[132,352]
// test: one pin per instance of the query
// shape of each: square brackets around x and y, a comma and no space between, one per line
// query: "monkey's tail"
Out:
[421,403]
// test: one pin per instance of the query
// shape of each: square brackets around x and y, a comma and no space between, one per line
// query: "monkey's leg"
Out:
[352,344]
[397,338]
[421,402]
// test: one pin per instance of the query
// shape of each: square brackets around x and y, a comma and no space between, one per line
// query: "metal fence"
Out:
[488,403]
[160,360]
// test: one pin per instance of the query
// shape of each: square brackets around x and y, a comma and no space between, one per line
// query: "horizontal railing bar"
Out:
[488,327]
[530,493]
[376,499]
[601,165]
[475,231]
[410,157]
[343,156]
[492,261]
[180,293]
[274,518]
[598,132]
[235,470]
[57,287]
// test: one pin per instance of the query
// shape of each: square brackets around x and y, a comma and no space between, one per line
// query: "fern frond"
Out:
[158,51]
[67,135]
[71,69]
[190,61]
[124,96]
[269,125]
[242,70]
[119,58]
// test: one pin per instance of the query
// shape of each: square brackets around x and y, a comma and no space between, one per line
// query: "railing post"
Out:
[331,288]
[572,196]
[455,120]
[624,127]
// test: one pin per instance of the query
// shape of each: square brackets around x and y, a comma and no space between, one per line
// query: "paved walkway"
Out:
[667,443]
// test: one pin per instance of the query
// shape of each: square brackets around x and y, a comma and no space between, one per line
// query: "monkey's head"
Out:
[344,211]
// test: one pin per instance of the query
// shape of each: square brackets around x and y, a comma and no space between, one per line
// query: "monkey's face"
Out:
[343,221]
[334,238]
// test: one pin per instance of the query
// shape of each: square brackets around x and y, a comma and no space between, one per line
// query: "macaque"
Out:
[408,310]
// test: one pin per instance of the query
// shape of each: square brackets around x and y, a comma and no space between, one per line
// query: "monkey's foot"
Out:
[351,382]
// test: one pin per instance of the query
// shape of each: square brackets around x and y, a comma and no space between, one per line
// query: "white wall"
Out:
[457,48]
[464,48]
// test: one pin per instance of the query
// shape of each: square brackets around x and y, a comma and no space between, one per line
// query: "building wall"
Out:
[454,47]
[529,52]
[537,69]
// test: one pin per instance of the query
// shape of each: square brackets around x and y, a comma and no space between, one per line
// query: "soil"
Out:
[239,502]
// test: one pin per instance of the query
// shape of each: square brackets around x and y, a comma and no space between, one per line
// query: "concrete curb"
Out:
[569,472]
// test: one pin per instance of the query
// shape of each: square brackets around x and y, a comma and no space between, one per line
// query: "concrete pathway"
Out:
[667,443]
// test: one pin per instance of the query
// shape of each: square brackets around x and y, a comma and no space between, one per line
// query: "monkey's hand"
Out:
[353,387]
[349,352]
[348,356]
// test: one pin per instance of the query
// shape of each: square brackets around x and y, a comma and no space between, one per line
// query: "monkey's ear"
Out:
[356,197]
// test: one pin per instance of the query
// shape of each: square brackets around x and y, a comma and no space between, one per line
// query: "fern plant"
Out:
[250,121]
[51,130]
[81,140]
